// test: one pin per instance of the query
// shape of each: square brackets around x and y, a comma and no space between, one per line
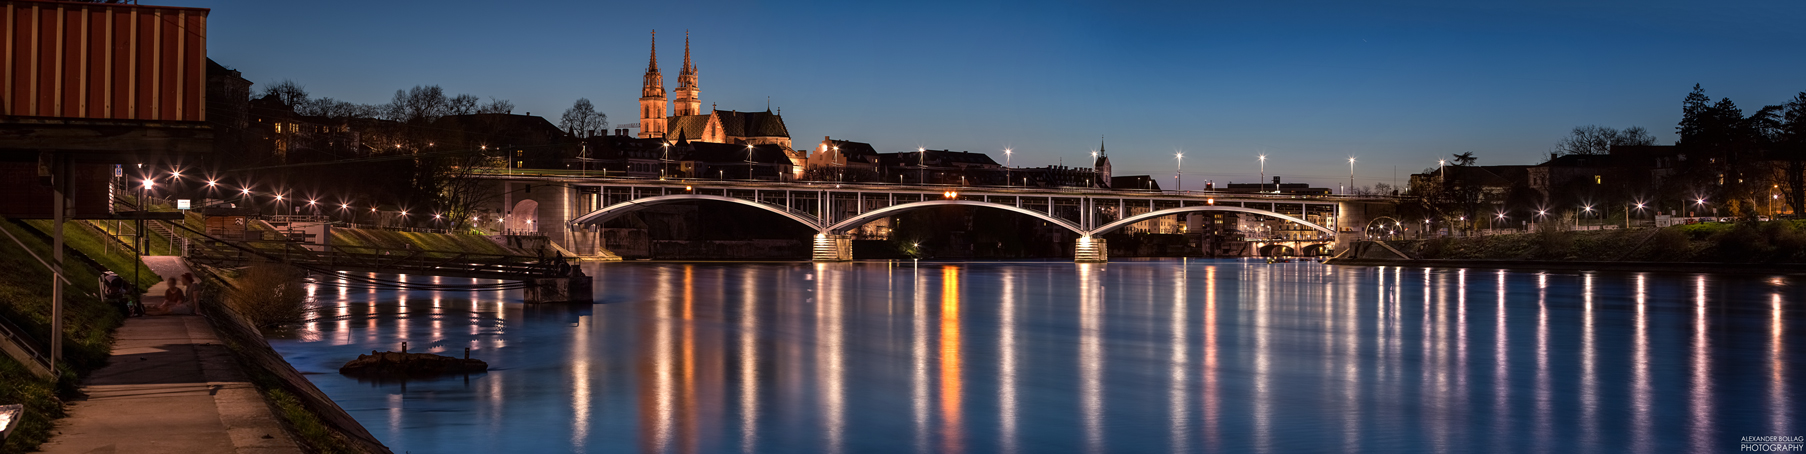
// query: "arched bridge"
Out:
[834,210]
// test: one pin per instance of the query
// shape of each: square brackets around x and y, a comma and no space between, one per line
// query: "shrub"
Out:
[268,294]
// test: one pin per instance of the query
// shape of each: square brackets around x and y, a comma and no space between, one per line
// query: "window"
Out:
[1597,180]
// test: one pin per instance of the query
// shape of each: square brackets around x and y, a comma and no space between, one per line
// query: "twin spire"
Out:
[688,68]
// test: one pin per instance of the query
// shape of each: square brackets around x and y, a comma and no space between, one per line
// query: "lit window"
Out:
[1597,180]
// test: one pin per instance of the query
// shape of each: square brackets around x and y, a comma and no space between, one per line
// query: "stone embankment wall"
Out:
[271,372]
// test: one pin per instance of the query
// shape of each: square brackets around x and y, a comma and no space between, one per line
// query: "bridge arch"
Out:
[873,215]
[611,211]
[1125,222]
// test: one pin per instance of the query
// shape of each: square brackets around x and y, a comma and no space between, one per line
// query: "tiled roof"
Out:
[687,126]
[752,124]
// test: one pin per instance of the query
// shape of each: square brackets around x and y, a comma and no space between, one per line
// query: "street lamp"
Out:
[1178,173]
[1263,173]
[1351,161]
[1585,210]
[1006,166]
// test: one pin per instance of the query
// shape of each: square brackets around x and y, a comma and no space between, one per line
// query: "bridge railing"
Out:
[924,187]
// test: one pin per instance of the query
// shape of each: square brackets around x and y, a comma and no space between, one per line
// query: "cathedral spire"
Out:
[1100,146]
[652,97]
[688,97]
[687,69]
[652,66]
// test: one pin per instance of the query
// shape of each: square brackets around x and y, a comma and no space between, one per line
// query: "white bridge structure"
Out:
[566,206]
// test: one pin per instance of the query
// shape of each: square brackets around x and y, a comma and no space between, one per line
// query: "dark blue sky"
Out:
[1396,85]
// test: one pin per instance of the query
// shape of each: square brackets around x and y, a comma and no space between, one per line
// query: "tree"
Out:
[1791,147]
[582,119]
[1599,140]
[287,91]
[421,104]
[1465,159]
[496,106]
[1694,109]
[462,105]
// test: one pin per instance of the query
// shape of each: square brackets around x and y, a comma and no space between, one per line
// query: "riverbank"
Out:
[1749,247]
[318,423]
[25,303]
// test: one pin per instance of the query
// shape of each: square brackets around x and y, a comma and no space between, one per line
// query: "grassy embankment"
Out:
[1743,242]
[25,300]
[419,241]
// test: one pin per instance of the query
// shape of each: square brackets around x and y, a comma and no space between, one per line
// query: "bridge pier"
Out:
[1090,250]
[833,248]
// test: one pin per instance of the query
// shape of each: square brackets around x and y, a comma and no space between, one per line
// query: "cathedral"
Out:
[686,121]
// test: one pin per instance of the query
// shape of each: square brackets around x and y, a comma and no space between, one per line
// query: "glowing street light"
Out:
[1263,173]
[1178,171]
[1351,161]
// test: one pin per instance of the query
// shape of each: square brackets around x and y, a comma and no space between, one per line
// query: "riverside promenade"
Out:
[169,387]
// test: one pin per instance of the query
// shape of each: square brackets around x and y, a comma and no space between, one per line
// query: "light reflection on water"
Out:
[1160,356]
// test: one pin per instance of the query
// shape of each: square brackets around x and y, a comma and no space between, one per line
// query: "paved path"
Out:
[170,387]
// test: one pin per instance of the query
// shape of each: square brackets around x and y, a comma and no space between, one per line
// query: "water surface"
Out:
[1130,356]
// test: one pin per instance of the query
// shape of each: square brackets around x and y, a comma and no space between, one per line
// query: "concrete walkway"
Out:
[169,387]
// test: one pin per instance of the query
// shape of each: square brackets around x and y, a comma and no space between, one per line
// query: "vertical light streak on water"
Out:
[1462,406]
[952,391]
[918,340]
[1006,380]
[395,411]
[1263,381]
[1212,401]
[1778,400]
[580,383]
[1701,403]
[1545,399]
[1091,399]
[438,320]
[749,361]
[686,410]
[1642,429]
[829,350]
[1434,337]
[1589,375]
[1178,404]
[1350,314]
[1501,369]
[661,413]
[311,312]
[401,316]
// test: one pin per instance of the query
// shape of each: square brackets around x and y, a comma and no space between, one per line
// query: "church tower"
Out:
[688,101]
[652,98]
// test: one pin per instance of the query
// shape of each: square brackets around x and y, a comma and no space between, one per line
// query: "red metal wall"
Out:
[103,61]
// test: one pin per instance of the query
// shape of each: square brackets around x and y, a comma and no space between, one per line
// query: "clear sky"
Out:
[1394,84]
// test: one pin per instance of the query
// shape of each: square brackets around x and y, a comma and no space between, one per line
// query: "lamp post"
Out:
[1006,167]
[1584,211]
[1351,161]
[1263,173]
[1178,171]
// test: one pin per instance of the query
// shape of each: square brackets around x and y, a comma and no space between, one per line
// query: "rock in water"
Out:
[393,364]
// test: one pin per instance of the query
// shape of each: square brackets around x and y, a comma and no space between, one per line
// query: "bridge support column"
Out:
[1091,250]
[833,248]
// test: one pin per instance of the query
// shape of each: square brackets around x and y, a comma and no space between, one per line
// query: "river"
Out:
[1129,356]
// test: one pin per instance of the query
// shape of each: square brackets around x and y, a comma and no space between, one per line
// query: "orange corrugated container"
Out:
[103,61]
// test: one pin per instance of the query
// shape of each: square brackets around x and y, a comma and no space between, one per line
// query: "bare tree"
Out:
[497,106]
[287,91]
[462,105]
[419,104]
[1599,140]
[582,119]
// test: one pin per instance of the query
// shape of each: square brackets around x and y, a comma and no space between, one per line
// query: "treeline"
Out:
[1726,163]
